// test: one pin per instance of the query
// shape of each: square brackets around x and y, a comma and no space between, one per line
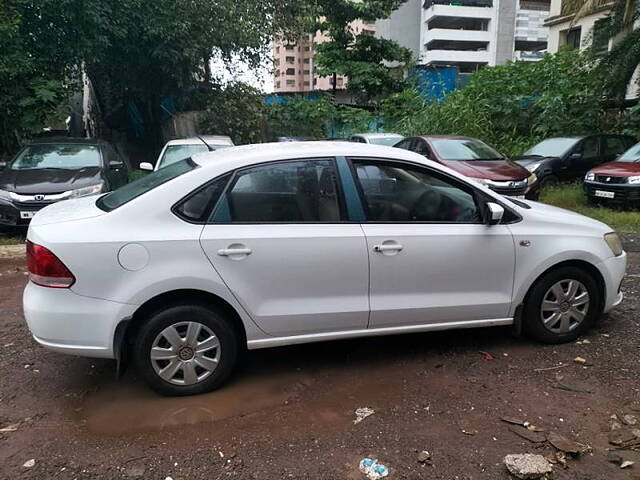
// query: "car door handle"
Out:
[393,247]
[227,252]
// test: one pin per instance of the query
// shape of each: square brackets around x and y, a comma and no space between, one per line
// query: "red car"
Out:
[616,182]
[476,159]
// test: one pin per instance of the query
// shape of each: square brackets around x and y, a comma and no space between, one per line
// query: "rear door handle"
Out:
[227,252]
[393,247]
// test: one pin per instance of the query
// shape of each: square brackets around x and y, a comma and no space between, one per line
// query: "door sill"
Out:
[372,332]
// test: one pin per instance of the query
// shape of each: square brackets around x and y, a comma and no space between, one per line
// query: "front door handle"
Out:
[388,247]
[232,252]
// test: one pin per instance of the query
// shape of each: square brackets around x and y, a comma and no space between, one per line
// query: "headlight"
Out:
[86,191]
[613,240]
[532,179]
[532,167]
[590,177]
[4,195]
[632,180]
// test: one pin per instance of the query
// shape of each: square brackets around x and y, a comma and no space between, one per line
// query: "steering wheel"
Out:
[426,207]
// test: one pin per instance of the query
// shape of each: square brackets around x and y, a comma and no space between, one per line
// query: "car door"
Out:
[432,258]
[280,242]
[584,157]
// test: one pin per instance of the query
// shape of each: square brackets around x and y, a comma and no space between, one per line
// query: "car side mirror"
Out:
[575,156]
[495,212]
[116,165]
[146,166]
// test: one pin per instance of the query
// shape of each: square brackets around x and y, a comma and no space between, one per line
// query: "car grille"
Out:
[610,179]
[514,192]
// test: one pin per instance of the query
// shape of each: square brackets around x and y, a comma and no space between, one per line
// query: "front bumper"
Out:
[516,189]
[10,212]
[623,193]
[66,322]
[613,270]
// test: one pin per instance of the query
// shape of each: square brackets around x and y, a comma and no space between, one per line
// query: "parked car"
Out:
[477,160]
[569,158]
[52,169]
[388,139]
[176,150]
[616,183]
[291,243]
[295,139]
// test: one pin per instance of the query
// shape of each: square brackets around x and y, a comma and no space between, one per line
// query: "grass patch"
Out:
[11,239]
[572,197]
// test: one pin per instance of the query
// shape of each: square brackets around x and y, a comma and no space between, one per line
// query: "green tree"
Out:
[375,67]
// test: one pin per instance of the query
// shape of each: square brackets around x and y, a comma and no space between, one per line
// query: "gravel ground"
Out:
[289,412]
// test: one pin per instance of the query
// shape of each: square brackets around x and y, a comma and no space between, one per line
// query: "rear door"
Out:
[280,240]
[612,147]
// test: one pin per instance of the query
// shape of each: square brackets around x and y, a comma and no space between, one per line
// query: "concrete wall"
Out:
[505,30]
[403,26]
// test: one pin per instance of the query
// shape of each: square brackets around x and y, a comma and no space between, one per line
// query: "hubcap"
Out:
[564,306]
[185,353]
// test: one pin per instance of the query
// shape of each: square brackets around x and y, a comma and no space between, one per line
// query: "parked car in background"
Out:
[387,139]
[477,160]
[53,169]
[278,244]
[569,158]
[179,149]
[616,183]
[295,139]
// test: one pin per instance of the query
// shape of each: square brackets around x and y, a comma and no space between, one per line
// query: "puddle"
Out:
[129,406]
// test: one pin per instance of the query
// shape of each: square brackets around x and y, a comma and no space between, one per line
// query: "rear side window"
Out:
[128,192]
[284,192]
[197,207]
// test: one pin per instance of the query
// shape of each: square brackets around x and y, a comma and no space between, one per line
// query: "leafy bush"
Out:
[515,105]
[301,116]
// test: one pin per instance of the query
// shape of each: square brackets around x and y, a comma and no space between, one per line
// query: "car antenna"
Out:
[211,149]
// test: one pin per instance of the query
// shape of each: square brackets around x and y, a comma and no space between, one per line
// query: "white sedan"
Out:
[280,244]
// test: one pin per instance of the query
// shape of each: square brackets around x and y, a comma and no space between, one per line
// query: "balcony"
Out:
[456,35]
[459,3]
[452,57]
[457,12]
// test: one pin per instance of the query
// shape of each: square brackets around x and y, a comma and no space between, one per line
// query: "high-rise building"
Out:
[293,67]
[469,34]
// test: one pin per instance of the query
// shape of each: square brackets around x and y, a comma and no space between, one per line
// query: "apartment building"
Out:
[293,63]
[566,30]
[469,34]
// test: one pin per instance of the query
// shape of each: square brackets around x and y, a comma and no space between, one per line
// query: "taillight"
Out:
[46,269]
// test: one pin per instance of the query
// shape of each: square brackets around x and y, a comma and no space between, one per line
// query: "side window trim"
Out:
[176,206]
[221,214]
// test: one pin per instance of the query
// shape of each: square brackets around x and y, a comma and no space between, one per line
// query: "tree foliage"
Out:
[515,105]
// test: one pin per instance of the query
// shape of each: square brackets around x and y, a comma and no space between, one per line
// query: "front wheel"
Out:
[561,305]
[185,350]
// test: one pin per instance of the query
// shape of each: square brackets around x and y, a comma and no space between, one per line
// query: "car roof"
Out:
[449,137]
[377,135]
[245,155]
[210,139]
[67,141]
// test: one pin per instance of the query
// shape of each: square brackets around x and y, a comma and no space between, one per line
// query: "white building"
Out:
[469,34]
[564,29]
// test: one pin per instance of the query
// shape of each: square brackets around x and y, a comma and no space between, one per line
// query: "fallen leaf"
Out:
[527,434]
[564,444]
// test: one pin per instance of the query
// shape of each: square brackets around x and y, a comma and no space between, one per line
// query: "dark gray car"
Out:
[54,169]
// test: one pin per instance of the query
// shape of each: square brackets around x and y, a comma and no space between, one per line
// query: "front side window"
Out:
[404,193]
[464,149]
[590,148]
[285,192]
[132,190]
[57,156]
[175,153]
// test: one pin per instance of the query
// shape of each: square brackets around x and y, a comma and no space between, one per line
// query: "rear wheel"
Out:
[561,305]
[186,350]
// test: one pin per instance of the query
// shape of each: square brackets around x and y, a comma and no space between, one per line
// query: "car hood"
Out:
[618,169]
[500,170]
[48,180]
[524,161]
[560,216]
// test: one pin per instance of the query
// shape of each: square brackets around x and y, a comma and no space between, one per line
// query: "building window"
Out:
[290,60]
[277,49]
[290,47]
[307,48]
[339,82]
[291,83]
[306,72]
[277,73]
[572,38]
[306,83]
[277,84]
[276,62]
[306,61]
[291,71]
[601,35]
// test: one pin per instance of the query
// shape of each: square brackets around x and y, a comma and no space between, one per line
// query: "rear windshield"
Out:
[125,194]
[175,153]
[57,157]
[386,141]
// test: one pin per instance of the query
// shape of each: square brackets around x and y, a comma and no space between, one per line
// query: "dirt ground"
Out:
[288,413]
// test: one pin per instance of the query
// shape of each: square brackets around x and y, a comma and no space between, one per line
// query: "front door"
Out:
[432,259]
[279,242]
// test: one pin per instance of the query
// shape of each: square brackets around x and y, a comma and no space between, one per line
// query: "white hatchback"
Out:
[278,244]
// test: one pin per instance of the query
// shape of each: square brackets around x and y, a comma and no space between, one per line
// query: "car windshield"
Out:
[551,147]
[57,156]
[464,149]
[175,153]
[386,141]
[631,155]
[132,190]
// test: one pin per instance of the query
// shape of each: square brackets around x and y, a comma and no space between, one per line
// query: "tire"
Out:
[561,319]
[549,181]
[199,359]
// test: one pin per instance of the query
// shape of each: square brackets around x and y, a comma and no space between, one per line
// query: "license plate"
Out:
[27,215]
[604,194]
